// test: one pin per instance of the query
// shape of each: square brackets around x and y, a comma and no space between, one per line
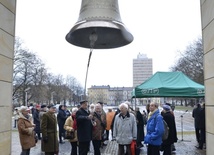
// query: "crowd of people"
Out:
[91,126]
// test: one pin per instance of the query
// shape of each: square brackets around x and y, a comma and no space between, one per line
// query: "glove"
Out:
[45,139]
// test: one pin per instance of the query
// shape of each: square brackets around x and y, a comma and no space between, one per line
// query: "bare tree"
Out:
[71,83]
[58,88]
[25,64]
[118,96]
[191,62]
[39,89]
[31,80]
[50,88]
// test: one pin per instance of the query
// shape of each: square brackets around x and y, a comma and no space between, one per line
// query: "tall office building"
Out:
[142,69]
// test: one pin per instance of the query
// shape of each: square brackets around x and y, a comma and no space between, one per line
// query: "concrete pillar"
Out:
[207,20]
[7,33]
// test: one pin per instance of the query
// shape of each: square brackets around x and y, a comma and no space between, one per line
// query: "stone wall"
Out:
[7,33]
[207,20]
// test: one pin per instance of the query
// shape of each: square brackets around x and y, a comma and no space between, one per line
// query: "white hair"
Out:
[23,108]
[123,105]
[92,105]
[74,109]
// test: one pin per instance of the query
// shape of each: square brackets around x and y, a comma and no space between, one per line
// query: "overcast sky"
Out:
[160,29]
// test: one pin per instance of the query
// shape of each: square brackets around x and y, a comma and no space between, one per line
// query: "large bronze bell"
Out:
[99,26]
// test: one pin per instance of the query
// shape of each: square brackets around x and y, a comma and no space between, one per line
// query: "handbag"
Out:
[133,147]
[69,134]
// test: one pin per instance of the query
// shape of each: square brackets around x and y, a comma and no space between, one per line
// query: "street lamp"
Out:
[52,96]
[26,95]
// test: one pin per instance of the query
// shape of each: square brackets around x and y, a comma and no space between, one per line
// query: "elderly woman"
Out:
[155,129]
[71,125]
[26,133]
[172,137]
[92,108]
[99,124]
[125,129]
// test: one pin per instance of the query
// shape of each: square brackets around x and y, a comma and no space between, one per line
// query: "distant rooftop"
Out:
[100,87]
[111,88]
[142,56]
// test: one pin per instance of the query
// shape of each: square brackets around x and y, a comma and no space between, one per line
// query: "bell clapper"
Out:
[93,38]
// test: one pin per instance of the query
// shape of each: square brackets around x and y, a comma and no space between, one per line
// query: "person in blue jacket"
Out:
[155,130]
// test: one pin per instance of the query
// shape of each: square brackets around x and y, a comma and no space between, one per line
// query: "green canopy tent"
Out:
[169,84]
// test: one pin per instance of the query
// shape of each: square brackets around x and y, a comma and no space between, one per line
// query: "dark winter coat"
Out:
[61,118]
[140,127]
[202,119]
[170,120]
[36,120]
[84,126]
[68,113]
[26,133]
[49,130]
[196,115]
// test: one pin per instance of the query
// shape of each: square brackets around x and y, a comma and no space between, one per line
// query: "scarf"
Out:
[151,113]
[75,122]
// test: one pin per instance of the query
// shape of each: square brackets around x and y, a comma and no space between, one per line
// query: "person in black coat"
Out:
[202,128]
[140,128]
[196,115]
[61,118]
[84,127]
[172,106]
[36,121]
[172,137]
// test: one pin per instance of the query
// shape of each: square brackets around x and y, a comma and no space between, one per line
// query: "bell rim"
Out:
[109,26]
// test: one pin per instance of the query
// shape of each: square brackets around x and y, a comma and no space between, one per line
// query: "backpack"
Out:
[166,129]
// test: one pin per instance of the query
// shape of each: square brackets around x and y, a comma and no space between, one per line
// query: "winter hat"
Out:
[37,106]
[166,107]
[83,101]
[51,106]
[43,106]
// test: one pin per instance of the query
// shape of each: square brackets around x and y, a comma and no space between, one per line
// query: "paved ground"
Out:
[185,145]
